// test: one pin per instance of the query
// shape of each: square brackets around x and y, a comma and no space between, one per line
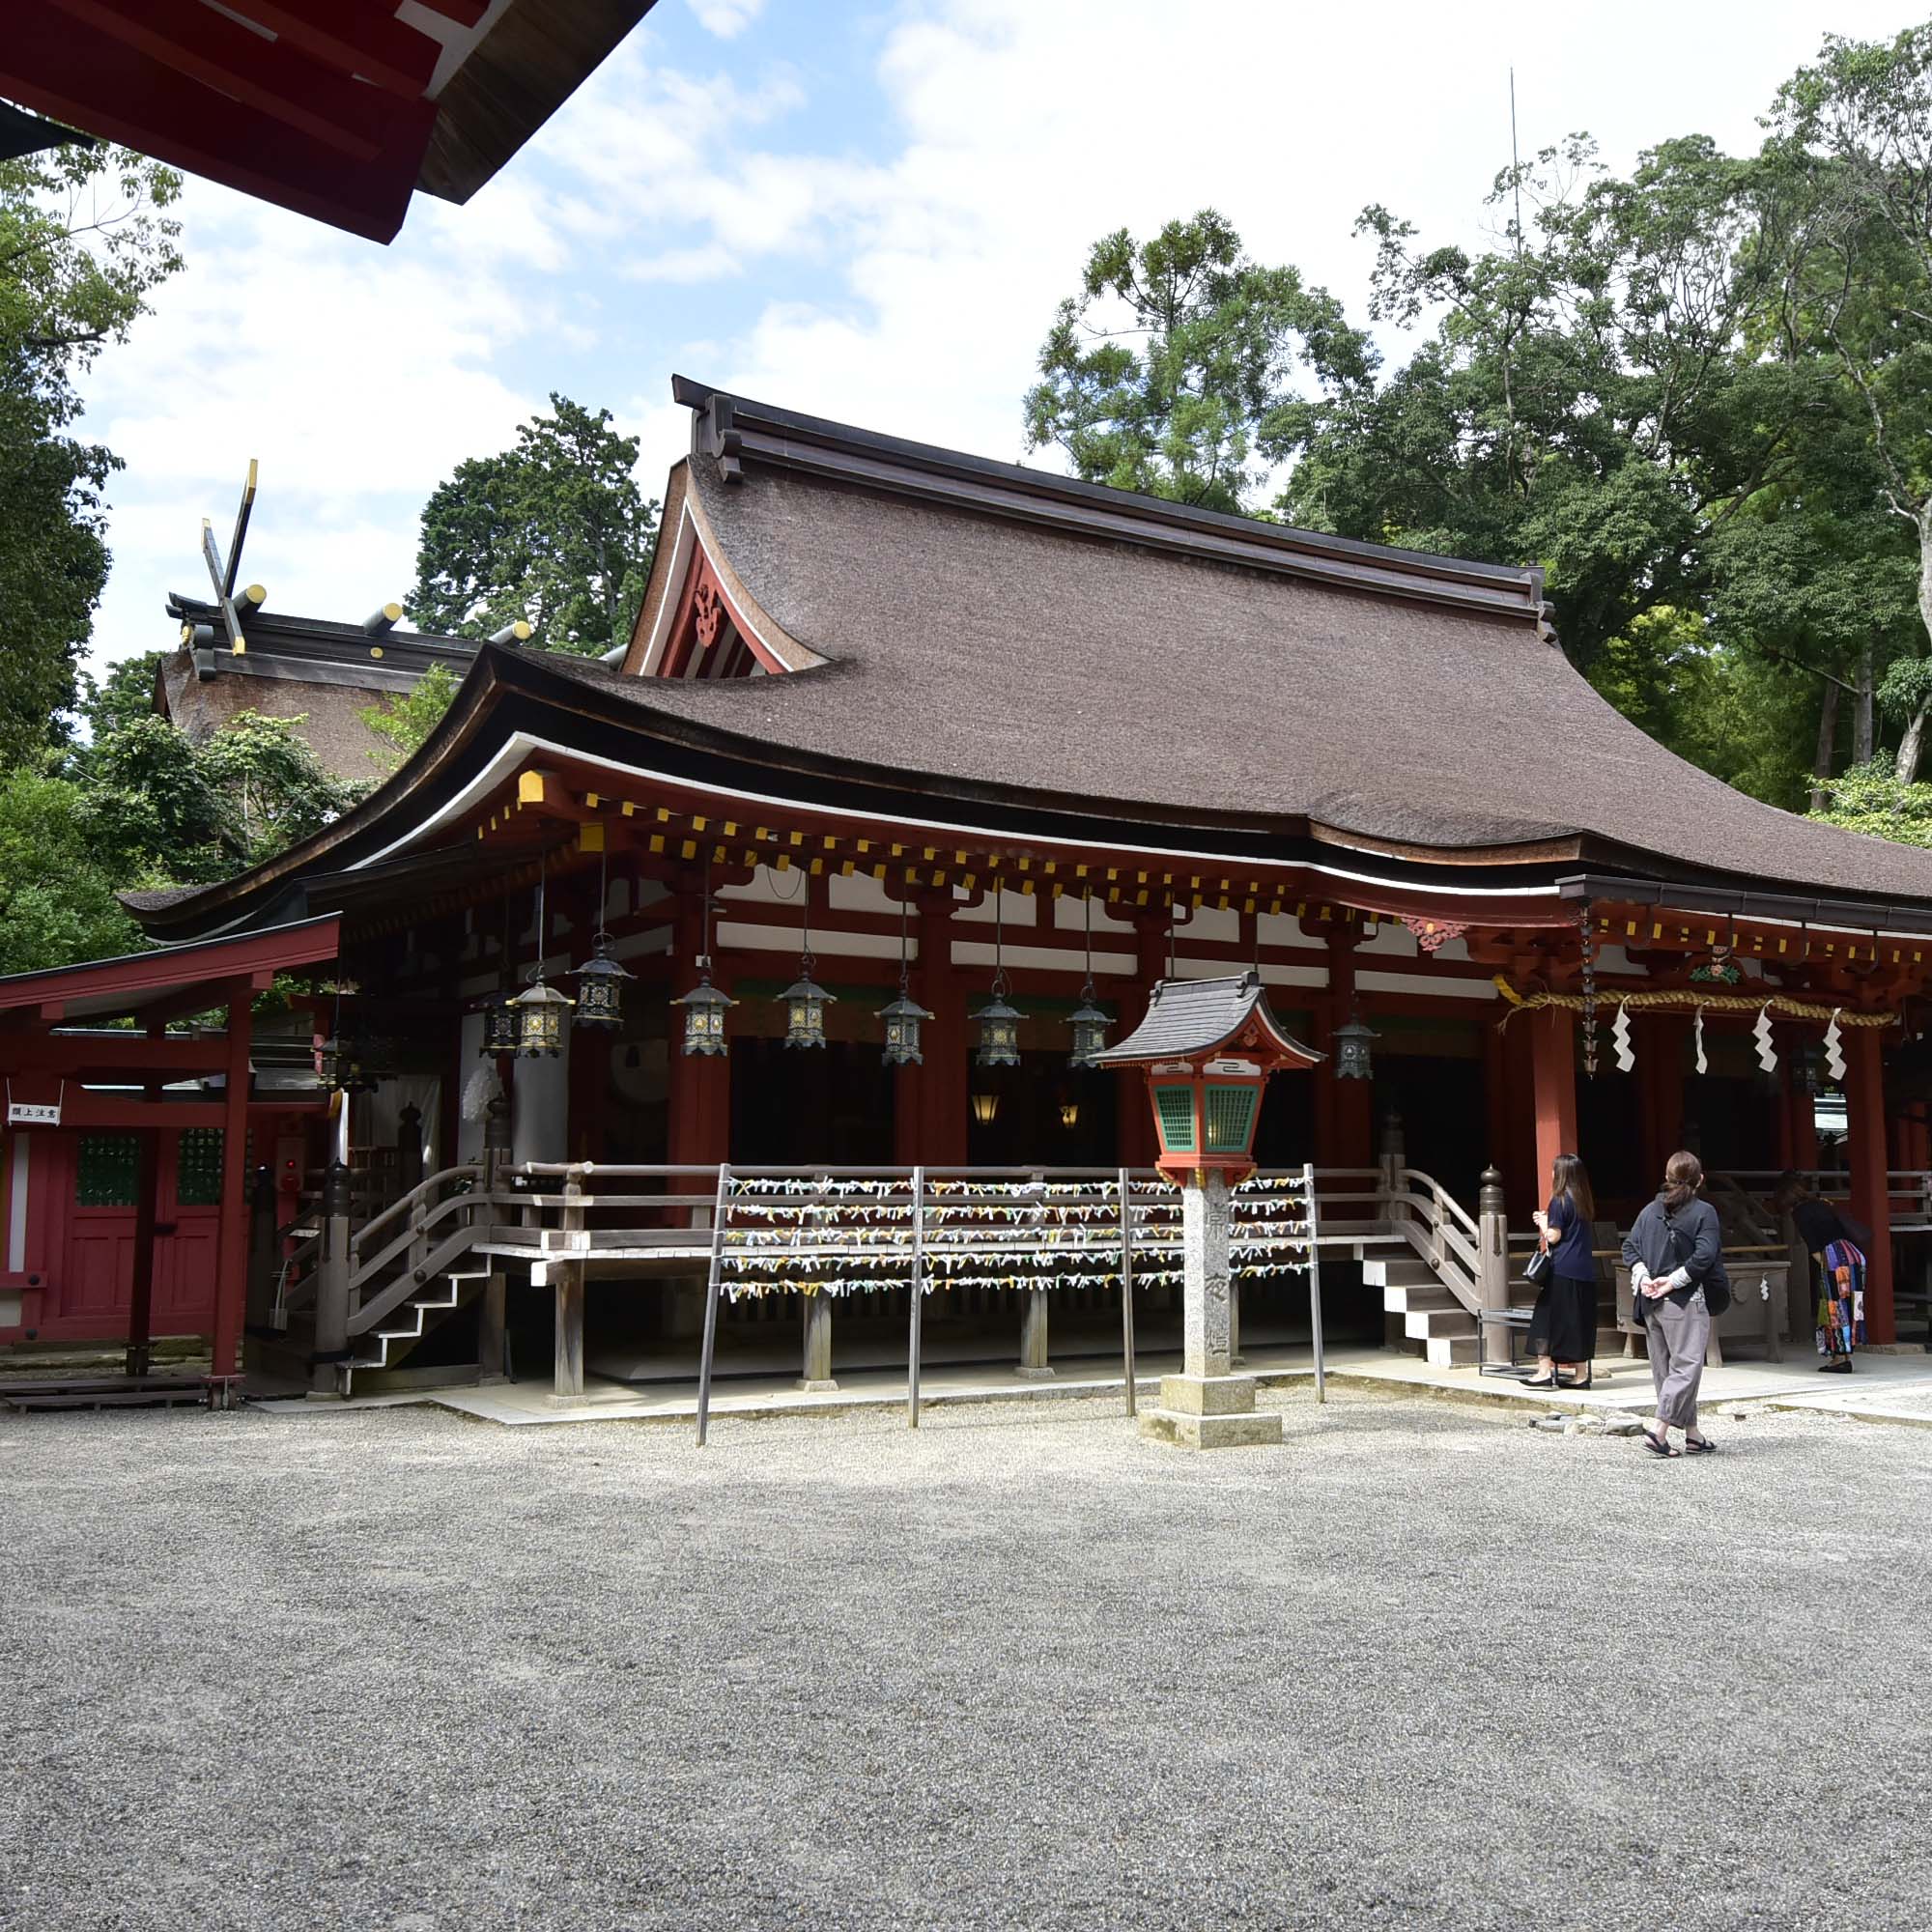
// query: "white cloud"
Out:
[742,226]
[727,19]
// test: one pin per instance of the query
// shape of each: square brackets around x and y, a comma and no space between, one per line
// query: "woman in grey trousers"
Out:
[1674,1248]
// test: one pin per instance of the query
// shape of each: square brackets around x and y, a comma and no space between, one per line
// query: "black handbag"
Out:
[1537,1269]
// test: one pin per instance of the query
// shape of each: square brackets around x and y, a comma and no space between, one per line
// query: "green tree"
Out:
[156,805]
[554,531]
[1853,138]
[1173,371]
[84,239]
[124,696]
[405,719]
[57,900]
[1873,798]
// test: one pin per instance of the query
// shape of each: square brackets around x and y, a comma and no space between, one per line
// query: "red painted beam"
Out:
[52,64]
[275,76]
[356,36]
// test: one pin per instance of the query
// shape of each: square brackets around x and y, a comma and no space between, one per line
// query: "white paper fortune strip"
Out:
[1834,1052]
[1620,1038]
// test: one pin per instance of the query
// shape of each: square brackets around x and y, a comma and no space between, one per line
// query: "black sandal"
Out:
[1655,1446]
[1699,1445]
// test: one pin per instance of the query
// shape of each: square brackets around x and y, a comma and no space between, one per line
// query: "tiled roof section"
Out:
[153,898]
[981,650]
[1190,1016]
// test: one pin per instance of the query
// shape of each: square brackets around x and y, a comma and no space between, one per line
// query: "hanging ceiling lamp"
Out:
[985,1108]
[1089,1023]
[705,1006]
[806,1000]
[501,1032]
[1351,1047]
[903,1016]
[600,980]
[540,1008]
[999,1023]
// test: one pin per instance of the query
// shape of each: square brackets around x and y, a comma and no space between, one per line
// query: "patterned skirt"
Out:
[1841,1302]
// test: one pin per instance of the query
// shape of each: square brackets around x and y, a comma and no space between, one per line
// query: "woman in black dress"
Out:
[1563,1328]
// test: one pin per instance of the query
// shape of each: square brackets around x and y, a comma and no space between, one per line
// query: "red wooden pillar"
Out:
[931,1101]
[231,1255]
[1871,1202]
[1346,1111]
[141,1297]
[1659,1081]
[1553,1034]
[1134,1131]
[698,1130]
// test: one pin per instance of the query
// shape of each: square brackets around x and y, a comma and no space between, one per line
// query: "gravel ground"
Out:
[397,1670]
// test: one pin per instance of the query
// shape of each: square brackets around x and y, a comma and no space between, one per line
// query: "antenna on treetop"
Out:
[1516,166]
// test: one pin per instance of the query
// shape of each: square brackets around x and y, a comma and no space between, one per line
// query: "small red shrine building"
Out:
[892,704]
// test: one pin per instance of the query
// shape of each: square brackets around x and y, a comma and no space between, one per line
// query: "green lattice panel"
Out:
[198,1168]
[110,1169]
[1177,1118]
[1231,1114]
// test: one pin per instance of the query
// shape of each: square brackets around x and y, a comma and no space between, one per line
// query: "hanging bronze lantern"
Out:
[806,1001]
[1352,1042]
[704,1010]
[540,1019]
[1090,1022]
[600,983]
[600,980]
[903,1016]
[502,1032]
[997,1023]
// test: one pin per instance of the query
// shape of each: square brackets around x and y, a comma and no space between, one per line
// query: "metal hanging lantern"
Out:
[600,980]
[804,999]
[985,1108]
[704,1010]
[1090,1022]
[705,1006]
[342,1057]
[540,1008]
[997,1023]
[1352,1042]
[903,1016]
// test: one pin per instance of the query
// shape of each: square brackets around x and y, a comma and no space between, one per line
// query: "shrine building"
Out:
[901,725]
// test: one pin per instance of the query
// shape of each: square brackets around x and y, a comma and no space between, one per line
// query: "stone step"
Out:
[1398,1271]
[1407,1300]
[1447,1350]
[1430,1325]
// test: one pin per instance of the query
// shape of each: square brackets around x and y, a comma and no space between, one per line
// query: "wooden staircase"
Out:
[1430,1295]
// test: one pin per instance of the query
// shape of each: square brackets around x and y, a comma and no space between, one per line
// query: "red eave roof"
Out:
[114,986]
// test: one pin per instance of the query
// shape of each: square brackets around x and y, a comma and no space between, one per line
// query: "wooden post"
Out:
[1127,1285]
[816,1376]
[409,1148]
[1314,1280]
[231,1265]
[918,1294]
[492,1359]
[1658,1041]
[1033,1363]
[699,1130]
[264,1249]
[141,1301]
[930,1100]
[1492,1257]
[331,1289]
[707,1354]
[568,1382]
[1552,1031]
[1871,1202]
[1135,1141]
[1345,1107]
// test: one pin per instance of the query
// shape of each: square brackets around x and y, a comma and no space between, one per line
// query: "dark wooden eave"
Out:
[315,651]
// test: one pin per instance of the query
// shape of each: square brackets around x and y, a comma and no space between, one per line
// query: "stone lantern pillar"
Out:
[1207,1048]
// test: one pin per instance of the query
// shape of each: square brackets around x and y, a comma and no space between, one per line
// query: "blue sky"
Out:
[865,211]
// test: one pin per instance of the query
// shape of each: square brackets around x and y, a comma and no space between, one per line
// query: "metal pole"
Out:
[918,1292]
[1315,1282]
[710,1303]
[1127,1287]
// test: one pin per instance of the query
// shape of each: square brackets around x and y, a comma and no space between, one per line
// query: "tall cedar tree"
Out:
[555,531]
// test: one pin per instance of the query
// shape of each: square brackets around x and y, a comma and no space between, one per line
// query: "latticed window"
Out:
[198,1168]
[1230,1110]
[1177,1118]
[109,1169]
